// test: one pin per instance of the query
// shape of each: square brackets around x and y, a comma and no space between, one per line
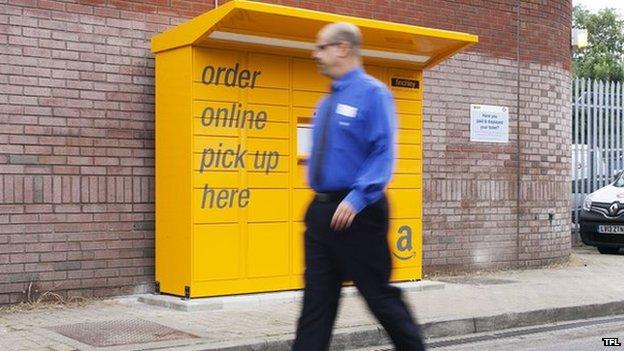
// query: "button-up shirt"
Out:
[359,154]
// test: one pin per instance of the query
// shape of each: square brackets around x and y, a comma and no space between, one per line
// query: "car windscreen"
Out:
[620,181]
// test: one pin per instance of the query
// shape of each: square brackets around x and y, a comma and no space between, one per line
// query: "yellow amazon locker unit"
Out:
[235,92]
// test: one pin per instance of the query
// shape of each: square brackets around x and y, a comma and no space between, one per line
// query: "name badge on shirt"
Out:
[346,110]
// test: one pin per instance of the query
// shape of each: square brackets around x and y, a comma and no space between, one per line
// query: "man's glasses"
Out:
[321,47]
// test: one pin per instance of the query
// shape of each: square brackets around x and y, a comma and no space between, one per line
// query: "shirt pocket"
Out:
[345,122]
[350,130]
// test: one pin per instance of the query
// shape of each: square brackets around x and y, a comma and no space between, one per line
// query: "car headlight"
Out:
[587,203]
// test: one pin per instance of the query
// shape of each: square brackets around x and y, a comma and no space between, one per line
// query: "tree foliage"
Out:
[603,57]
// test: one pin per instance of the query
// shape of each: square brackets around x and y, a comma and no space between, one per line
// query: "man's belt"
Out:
[331,196]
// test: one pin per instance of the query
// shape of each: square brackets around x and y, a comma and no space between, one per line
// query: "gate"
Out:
[597,137]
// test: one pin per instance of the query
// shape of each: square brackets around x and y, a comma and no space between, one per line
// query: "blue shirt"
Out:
[359,151]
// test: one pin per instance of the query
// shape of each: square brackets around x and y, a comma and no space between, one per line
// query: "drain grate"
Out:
[120,332]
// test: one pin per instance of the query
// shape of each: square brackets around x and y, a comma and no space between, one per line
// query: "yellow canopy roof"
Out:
[259,24]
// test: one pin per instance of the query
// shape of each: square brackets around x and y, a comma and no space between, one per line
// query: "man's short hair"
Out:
[343,31]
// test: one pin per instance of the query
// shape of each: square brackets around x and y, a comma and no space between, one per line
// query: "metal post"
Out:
[575,151]
[592,153]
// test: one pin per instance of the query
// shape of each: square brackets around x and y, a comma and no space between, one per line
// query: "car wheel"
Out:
[608,250]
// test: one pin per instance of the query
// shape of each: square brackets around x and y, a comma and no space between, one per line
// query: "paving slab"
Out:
[592,287]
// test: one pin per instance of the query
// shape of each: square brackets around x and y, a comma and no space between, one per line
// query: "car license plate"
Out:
[611,229]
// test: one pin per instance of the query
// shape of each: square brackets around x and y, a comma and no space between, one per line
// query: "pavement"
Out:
[590,285]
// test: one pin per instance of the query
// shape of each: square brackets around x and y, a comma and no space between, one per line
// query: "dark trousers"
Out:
[360,254]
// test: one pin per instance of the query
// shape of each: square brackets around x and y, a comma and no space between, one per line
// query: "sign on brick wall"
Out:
[489,123]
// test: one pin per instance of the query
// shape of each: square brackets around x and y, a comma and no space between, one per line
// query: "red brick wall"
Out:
[76,137]
[471,205]
[545,26]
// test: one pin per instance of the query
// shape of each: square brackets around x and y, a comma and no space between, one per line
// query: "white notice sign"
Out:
[489,123]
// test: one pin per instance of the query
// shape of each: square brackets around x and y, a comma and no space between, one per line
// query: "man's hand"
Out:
[343,217]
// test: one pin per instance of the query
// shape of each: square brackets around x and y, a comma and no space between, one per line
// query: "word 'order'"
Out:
[230,76]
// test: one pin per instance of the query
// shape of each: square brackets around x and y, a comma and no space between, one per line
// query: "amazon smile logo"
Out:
[404,244]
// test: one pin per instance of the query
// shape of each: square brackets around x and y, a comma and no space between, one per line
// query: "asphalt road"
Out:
[582,335]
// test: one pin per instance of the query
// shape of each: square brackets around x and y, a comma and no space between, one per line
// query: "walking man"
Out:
[347,222]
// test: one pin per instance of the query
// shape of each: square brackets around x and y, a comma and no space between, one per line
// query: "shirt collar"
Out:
[346,79]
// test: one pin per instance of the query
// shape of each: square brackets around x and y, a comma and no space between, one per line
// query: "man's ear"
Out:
[344,49]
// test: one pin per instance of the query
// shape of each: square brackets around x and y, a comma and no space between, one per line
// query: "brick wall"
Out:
[471,189]
[76,138]
[76,149]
